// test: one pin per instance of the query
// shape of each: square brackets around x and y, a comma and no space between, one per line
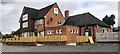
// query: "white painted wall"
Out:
[108,36]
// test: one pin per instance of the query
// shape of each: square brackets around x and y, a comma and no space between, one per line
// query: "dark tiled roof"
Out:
[84,19]
[37,14]
[42,12]
[31,11]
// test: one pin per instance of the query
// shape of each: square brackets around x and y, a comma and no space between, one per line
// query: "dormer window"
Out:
[59,22]
[56,10]
[25,17]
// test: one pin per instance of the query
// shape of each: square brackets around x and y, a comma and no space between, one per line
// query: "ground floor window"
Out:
[25,34]
[103,32]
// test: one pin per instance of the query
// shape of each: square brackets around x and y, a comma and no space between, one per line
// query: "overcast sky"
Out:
[11,10]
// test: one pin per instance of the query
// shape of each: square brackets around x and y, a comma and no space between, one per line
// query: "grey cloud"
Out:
[10,19]
[71,6]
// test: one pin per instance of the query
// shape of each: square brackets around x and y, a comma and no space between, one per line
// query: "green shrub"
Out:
[7,36]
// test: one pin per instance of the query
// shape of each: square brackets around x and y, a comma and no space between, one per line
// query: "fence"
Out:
[51,38]
[20,39]
[108,37]
[46,39]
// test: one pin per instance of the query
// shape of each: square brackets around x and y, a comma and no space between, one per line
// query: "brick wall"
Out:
[55,17]
[70,31]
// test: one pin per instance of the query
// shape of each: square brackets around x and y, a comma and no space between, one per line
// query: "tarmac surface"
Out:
[97,47]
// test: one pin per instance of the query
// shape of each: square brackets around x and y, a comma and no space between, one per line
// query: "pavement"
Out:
[97,47]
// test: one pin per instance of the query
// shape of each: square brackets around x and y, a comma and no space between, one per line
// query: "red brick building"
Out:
[88,24]
[49,21]
[33,21]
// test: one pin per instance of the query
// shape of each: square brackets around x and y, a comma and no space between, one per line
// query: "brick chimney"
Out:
[66,14]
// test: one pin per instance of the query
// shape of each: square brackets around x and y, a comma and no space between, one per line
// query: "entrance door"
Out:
[87,32]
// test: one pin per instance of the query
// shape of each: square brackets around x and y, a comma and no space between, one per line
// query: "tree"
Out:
[105,19]
[109,20]
[112,18]
[7,36]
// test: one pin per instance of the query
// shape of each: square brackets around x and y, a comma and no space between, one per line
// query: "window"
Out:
[59,31]
[49,32]
[25,34]
[25,17]
[56,10]
[72,31]
[59,22]
[77,31]
[40,21]
[103,32]
[25,24]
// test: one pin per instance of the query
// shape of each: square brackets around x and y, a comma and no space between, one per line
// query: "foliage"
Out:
[109,20]
[7,36]
[0,36]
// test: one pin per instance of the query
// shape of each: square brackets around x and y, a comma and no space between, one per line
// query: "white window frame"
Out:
[59,21]
[57,31]
[72,31]
[25,24]
[40,21]
[103,34]
[77,31]
[60,31]
[25,34]
[25,17]
[48,32]
[56,10]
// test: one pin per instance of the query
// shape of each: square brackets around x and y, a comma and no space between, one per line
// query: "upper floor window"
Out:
[59,22]
[40,21]
[56,10]
[25,17]
[25,24]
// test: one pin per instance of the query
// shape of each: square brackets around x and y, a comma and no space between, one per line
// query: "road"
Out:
[98,47]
